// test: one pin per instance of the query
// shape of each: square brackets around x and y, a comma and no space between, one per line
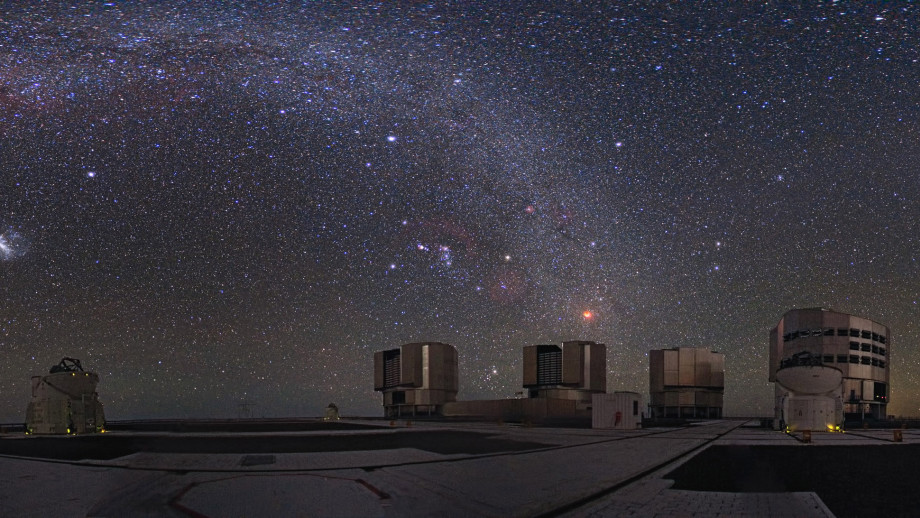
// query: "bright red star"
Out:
[588,315]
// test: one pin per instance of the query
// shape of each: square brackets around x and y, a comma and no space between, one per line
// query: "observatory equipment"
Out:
[331,413]
[811,398]
[804,373]
[417,378]
[858,348]
[65,401]
[686,382]
[576,370]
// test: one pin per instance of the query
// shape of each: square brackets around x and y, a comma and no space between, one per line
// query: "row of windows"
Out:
[854,359]
[841,331]
[874,349]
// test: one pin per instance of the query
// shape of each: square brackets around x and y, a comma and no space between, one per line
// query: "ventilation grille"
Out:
[549,367]
[391,369]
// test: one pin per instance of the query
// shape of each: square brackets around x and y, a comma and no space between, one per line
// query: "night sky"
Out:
[216,205]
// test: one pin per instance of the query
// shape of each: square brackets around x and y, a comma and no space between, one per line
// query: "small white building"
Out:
[618,411]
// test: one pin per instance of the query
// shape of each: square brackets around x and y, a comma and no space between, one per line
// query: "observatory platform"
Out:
[375,468]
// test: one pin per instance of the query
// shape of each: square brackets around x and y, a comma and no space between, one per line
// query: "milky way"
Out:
[235,206]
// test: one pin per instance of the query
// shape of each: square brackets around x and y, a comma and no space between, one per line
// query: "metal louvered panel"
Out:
[549,367]
[391,369]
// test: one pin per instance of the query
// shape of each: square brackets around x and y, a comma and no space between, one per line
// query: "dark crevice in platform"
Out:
[257,460]
[106,446]
[236,425]
[869,480]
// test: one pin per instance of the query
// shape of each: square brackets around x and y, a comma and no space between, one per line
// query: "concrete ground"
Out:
[558,472]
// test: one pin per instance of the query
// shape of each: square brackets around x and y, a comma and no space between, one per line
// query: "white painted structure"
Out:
[619,411]
[817,413]
[810,397]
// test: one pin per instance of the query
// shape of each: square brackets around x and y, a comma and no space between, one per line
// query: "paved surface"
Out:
[575,473]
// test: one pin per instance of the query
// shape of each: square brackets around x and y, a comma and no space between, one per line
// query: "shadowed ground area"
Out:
[851,480]
[110,446]
[238,425]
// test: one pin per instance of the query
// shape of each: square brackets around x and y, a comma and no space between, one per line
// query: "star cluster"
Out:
[233,205]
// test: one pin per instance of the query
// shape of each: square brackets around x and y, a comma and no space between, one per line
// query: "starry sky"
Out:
[226,209]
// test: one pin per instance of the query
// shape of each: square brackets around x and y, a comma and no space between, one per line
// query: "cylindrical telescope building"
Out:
[858,347]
